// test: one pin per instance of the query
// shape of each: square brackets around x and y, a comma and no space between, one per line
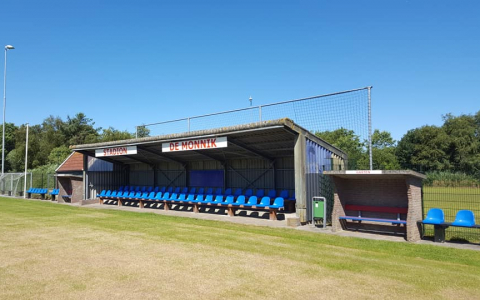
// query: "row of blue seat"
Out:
[463,218]
[139,192]
[40,191]
[208,199]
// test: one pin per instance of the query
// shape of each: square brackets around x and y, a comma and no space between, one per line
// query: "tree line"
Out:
[453,147]
[49,142]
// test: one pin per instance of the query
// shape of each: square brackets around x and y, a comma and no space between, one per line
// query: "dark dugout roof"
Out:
[267,140]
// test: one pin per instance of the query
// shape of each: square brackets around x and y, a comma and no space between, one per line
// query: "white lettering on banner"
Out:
[364,172]
[201,144]
[116,151]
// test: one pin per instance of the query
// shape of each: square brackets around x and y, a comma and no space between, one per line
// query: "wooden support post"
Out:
[100,200]
[120,202]
[166,206]
[140,203]
[231,212]
[195,208]
[273,215]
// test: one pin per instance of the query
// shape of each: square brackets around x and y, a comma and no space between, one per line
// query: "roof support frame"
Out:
[244,147]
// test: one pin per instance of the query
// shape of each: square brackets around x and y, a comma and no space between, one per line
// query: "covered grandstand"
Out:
[271,155]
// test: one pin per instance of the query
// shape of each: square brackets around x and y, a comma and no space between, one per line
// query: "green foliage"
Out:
[58,155]
[143,131]
[111,134]
[383,151]
[450,179]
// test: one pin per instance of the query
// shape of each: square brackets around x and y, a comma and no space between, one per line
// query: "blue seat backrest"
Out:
[229,199]
[120,188]
[209,191]
[185,190]
[293,196]
[260,193]
[158,196]
[192,190]
[199,197]
[218,191]
[162,196]
[177,190]
[240,199]
[101,194]
[464,218]
[252,200]
[143,189]
[113,194]
[272,193]
[182,196]
[284,194]
[201,191]
[108,193]
[144,195]
[265,201]
[191,197]
[156,189]
[125,194]
[228,192]
[138,194]
[219,198]
[163,189]
[434,216]
[238,192]
[173,196]
[278,202]
[151,195]
[170,189]
[209,198]
[248,193]
[137,189]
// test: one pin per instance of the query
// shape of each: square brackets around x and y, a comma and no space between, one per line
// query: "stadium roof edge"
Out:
[278,123]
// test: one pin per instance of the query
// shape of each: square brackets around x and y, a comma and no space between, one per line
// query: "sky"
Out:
[126,63]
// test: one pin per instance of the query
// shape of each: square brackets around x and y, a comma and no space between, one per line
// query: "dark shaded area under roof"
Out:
[267,140]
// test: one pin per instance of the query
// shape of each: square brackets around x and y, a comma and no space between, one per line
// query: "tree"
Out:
[143,131]
[424,148]
[111,134]
[58,155]
[347,141]
[383,151]
[79,130]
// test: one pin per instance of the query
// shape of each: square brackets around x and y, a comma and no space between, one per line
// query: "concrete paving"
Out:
[247,217]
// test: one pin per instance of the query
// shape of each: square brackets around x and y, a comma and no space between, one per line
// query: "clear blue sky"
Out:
[124,63]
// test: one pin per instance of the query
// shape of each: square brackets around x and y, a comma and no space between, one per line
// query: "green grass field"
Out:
[53,251]
[451,200]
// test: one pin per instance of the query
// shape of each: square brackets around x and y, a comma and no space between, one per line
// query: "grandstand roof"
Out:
[267,140]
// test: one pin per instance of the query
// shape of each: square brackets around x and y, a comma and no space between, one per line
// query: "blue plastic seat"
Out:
[149,189]
[248,193]
[198,199]
[240,200]
[156,189]
[208,199]
[177,190]
[228,200]
[163,189]
[464,218]
[112,195]
[434,216]
[120,188]
[238,192]
[260,193]
[284,194]
[192,191]
[228,192]
[272,193]
[144,195]
[218,200]
[277,203]
[252,201]
[170,189]
[102,194]
[150,196]
[185,190]
[158,196]
[182,197]
[264,202]
[209,191]
[200,191]
[218,191]
[190,198]
[173,197]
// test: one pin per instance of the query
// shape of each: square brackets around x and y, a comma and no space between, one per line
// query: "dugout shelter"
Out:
[276,154]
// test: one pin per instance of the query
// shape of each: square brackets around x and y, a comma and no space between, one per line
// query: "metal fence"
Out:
[348,109]
[12,184]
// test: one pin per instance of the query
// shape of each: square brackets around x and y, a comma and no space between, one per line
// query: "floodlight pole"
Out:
[7,47]
[370,126]
[26,163]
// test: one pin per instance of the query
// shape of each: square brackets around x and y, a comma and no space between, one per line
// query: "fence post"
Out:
[260,112]
[370,127]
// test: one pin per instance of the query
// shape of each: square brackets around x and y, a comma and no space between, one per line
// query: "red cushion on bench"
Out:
[385,209]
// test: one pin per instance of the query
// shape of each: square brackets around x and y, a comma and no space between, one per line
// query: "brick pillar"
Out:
[414,191]
[338,208]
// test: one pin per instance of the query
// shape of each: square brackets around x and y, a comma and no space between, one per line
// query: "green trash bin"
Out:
[319,210]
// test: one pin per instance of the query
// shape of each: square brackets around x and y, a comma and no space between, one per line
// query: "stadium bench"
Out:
[39,191]
[54,193]
[375,209]
[436,217]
